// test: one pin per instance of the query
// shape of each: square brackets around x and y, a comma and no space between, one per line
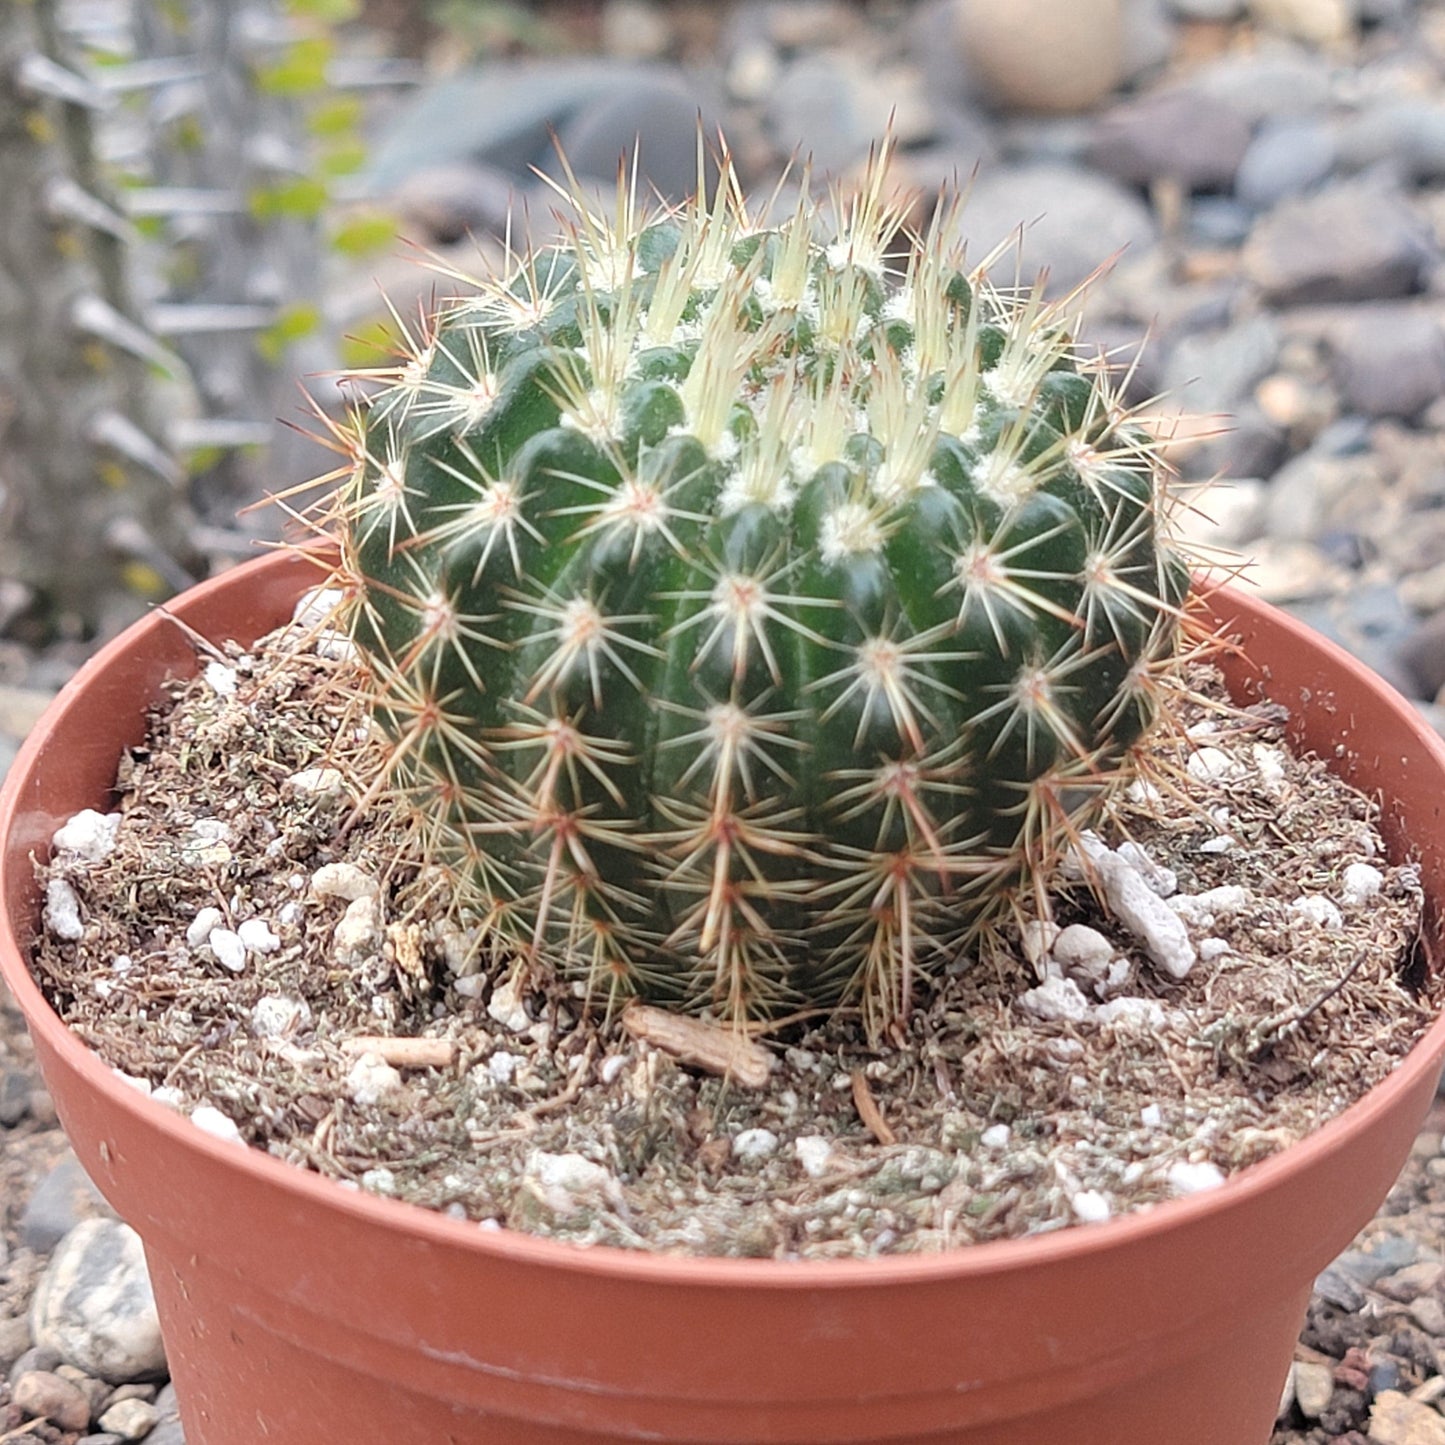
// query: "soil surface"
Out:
[249,950]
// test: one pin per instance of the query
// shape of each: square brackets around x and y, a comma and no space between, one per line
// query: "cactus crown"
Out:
[751,620]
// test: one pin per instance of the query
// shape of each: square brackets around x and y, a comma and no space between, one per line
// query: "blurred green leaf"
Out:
[334,12]
[301,199]
[365,235]
[294,322]
[343,160]
[300,71]
[334,117]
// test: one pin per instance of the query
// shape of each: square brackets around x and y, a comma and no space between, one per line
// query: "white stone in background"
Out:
[1211,949]
[62,910]
[170,1096]
[88,836]
[1269,765]
[1362,882]
[317,606]
[345,881]
[1084,953]
[229,950]
[1090,1207]
[1222,844]
[1201,909]
[1151,1116]
[1186,1178]
[753,1145]
[201,925]
[1317,909]
[370,1080]
[1147,916]
[1164,881]
[611,1067]
[317,780]
[221,679]
[210,1120]
[1056,1000]
[996,1136]
[275,1016]
[506,1007]
[474,985]
[1314,1384]
[1143,793]
[141,1086]
[256,934]
[1211,765]
[94,1304]
[814,1152]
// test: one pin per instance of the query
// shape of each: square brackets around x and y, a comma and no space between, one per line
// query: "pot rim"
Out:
[975,1260]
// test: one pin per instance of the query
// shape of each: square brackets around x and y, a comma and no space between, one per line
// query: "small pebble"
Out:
[44,1395]
[230,951]
[255,934]
[1090,1206]
[996,1136]
[502,1066]
[753,1145]
[62,911]
[370,1080]
[1211,765]
[343,880]
[274,1016]
[1319,910]
[221,679]
[507,1008]
[1314,1384]
[130,1419]
[318,606]
[88,836]
[1151,1116]
[1084,952]
[1056,999]
[379,1181]
[1164,881]
[201,925]
[317,780]
[814,1153]
[1187,1178]
[1362,882]
[211,1120]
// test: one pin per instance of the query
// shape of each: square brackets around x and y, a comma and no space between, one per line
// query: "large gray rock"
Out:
[1388,360]
[1407,135]
[1285,158]
[1180,134]
[95,1307]
[1350,242]
[659,117]
[502,115]
[828,106]
[1073,221]
[60,1201]
[1217,371]
[1271,81]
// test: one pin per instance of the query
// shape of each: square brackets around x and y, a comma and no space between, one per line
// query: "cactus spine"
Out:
[751,623]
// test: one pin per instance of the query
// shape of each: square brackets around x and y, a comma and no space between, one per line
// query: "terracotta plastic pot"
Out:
[297,1312]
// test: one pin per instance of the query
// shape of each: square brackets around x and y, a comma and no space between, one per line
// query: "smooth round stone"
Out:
[1388,361]
[1181,134]
[1285,158]
[94,1304]
[1055,56]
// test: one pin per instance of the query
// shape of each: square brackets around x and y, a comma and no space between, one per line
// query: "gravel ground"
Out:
[1271,177]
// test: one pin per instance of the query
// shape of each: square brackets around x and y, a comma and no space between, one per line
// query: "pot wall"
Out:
[291,1306]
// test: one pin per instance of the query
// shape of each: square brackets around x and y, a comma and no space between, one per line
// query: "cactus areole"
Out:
[753,619]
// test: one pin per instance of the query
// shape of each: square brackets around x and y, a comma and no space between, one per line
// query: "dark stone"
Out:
[659,118]
[60,1201]
[454,200]
[1181,134]
[1388,361]
[15,1089]
[1350,242]
[1424,655]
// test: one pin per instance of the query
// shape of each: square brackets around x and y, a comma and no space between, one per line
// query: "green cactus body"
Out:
[750,624]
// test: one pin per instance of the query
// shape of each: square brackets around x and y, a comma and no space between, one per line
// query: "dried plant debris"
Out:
[1219,973]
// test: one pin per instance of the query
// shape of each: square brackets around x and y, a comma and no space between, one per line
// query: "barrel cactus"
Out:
[750,619]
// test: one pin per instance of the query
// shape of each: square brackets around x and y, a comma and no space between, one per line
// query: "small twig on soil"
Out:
[868,1110]
[1271,1031]
[404,1053]
[705,1045]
